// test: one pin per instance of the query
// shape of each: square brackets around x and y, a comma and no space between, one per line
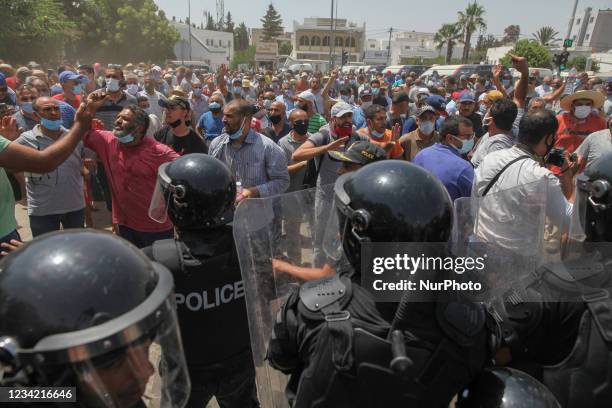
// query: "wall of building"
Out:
[313,40]
[592,29]
[211,47]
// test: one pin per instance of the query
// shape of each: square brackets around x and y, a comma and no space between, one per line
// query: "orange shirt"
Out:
[572,132]
[75,104]
[397,150]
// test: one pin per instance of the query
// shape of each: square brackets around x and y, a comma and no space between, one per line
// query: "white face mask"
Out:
[132,89]
[112,84]
[427,127]
[582,112]
[365,105]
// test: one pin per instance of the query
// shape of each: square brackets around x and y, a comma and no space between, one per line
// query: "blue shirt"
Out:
[211,126]
[289,103]
[359,119]
[445,163]
[67,113]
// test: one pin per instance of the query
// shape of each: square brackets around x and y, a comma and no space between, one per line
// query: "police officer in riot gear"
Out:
[331,336]
[565,339]
[86,309]
[198,192]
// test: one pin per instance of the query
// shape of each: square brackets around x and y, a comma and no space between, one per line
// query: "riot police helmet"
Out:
[86,309]
[505,387]
[196,191]
[391,201]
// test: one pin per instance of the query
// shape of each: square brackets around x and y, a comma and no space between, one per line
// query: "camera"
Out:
[555,157]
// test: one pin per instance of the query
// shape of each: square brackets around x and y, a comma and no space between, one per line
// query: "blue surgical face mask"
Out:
[214,105]
[375,91]
[197,92]
[51,124]
[375,134]
[483,108]
[129,138]
[238,91]
[77,89]
[27,107]
[236,135]
[466,147]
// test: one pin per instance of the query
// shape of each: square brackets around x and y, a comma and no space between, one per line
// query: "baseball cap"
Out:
[69,76]
[366,91]
[467,97]
[340,109]
[494,95]
[437,102]
[360,152]
[174,100]
[246,83]
[426,108]
[307,95]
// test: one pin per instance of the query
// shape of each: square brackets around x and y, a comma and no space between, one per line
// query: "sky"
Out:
[404,15]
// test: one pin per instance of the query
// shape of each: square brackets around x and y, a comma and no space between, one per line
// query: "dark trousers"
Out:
[232,383]
[143,239]
[41,224]
[7,238]
[100,188]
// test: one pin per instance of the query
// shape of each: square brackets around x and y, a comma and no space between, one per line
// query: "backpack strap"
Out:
[498,175]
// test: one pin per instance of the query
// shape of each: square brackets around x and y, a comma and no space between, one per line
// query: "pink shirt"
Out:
[132,176]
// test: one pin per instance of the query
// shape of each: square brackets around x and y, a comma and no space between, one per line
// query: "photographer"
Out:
[522,166]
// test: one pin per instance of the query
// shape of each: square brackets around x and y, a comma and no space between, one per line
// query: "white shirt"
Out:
[513,213]
[153,102]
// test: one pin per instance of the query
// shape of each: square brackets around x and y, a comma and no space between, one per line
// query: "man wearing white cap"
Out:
[306,102]
[333,136]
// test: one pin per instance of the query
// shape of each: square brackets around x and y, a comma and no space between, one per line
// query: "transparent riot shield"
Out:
[508,228]
[275,239]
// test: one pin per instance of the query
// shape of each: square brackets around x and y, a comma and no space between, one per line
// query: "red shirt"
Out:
[75,104]
[572,132]
[132,176]
[11,82]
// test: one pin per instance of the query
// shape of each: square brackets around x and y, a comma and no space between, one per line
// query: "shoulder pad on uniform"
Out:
[168,253]
[461,321]
[565,275]
[318,294]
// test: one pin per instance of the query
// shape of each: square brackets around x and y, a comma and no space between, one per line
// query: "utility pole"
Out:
[350,44]
[331,28]
[389,47]
[189,5]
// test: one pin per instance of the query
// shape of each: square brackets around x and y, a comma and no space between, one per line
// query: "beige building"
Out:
[313,39]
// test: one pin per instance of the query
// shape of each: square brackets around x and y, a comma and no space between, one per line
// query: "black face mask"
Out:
[275,119]
[176,123]
[300,127]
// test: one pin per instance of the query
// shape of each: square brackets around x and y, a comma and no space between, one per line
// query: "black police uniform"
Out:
[568,344]
[208,284]
[331,336]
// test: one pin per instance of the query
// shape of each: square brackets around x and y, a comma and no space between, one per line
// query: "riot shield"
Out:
[275,240]
[508,228]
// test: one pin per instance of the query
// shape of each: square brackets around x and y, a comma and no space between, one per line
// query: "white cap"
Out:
[340,109]
[308,96]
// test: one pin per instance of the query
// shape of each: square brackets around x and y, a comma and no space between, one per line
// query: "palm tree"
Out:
[470,20]
[447,36]
[546,36]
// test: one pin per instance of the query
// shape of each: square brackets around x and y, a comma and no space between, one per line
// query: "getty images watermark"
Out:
[389,270]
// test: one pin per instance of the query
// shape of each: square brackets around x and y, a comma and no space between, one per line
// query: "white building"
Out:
[592,29]
[494,54]
[409,44]
[314,39]
[213,48]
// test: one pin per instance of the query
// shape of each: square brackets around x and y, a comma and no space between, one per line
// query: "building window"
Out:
[304,40]
[315,41]
[372,46]
[578,22]
[350,42]
[229,43]
[326,41]
[591,19]
[339,41]
[587,36]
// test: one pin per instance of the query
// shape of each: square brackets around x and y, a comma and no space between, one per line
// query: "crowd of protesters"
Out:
[274,130]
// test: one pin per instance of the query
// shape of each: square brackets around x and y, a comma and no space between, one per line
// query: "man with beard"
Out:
[178,133]
[131,162]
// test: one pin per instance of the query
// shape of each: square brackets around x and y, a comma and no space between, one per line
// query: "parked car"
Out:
[297,68]
[459,70]
[398,69]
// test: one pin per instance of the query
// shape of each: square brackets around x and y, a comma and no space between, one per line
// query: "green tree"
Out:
[229,23]
[546,36]
[241,37]
[447,36]
[272,24]
[471,20]
[245,56]
[210,22]
[536,54]
[580,64]
[511,34]
[285,48]
[123,31]
[33,30]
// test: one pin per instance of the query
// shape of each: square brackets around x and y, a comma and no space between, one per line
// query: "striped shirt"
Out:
[108,112]
[258,162]
[315,122]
